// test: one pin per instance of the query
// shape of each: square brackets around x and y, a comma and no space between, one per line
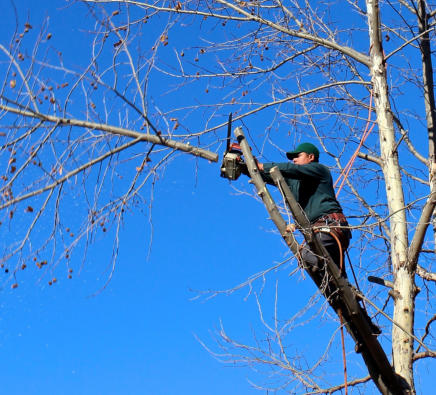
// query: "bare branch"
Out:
[159,140]
[69,175]
[325,43]
[371,158]
[426,275]
[421,228]
[425,354]
[336,388]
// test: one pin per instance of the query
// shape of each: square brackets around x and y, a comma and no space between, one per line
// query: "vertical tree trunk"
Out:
[429,99]
[402,342]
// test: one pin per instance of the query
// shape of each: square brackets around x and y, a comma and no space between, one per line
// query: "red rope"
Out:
[349,165]
[344,357]
[344,175]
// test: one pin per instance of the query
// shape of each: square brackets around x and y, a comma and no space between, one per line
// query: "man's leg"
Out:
[316,266]
[332,247]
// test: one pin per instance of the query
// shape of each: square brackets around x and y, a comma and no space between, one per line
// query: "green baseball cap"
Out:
[308,148]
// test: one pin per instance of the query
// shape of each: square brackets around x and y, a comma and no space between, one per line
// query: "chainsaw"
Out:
[232,164]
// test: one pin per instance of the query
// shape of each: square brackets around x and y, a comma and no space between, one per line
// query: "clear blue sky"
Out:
[139,335]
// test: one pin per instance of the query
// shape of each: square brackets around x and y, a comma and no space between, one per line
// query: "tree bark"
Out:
[264,194]
[429,98]
[404,287]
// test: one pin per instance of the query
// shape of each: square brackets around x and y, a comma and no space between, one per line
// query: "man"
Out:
[312,185]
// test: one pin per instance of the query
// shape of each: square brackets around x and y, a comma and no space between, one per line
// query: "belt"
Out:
[339,217]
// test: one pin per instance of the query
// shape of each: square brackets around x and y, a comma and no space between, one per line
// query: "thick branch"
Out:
[426,275]
[264,193]
[370,158]
[424,354]
[418,237]
[159,140]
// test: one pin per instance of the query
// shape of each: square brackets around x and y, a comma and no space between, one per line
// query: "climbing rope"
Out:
[355,279]
[344,357]
[346,170]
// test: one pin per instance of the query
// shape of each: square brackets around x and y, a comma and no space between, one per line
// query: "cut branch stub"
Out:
[264,193]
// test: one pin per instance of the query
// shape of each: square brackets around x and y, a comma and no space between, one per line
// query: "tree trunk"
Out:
[429,99]
[404,287]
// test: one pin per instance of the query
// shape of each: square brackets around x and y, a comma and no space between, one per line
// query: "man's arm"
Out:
[265,175]
[297,172]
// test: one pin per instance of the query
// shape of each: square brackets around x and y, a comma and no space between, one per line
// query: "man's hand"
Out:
[291,228]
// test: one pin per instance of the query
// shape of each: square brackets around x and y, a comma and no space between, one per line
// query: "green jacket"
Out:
[311,184]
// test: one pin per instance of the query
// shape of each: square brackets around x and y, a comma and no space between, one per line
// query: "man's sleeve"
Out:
[293,183]
[297,172]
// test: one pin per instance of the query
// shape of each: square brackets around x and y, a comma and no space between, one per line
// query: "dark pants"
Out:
[332,247]
[333,233]
[316,266]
